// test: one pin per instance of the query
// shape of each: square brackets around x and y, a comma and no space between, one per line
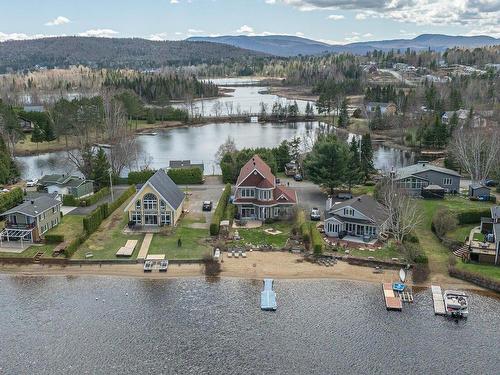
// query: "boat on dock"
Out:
[148,266]
[456,304]
[392,302]
[163,265]
[268,296]
[398,287]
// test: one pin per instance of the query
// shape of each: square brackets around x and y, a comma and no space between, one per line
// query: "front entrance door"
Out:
[150,219]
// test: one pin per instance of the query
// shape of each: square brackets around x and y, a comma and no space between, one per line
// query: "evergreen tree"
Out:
[377,122]
[366,155]
[343,120]
[37,135]
[100,169]
[354,174]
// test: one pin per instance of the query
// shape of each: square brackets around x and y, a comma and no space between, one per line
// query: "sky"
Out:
[330,21]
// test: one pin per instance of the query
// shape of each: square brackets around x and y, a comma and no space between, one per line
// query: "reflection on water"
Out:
[188,326]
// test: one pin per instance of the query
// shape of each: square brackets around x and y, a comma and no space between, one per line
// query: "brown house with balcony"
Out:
[258,196]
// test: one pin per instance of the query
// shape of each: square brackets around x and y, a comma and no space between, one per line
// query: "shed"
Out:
[478,190]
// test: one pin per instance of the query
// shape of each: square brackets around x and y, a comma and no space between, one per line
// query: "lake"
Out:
[199,144]
[55,325]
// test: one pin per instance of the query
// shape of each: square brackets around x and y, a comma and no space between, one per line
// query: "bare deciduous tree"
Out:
[477,151]
[228,146]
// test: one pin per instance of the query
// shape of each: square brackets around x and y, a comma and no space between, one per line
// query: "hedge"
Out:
[140,177]
[73,245]
[94,198]
[121,199]
[54,238]
[11,199]
[472,216]
[219,211]
[69,200]
[316,240]
[183,176]
[92,221]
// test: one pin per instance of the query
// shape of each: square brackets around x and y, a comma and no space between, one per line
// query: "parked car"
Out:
[491,183]
[31,182]
[344,196]
[315,214]
[207,206]
[298,177]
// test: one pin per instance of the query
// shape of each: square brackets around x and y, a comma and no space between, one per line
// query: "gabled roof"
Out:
[34,207]
[166,187]
[420,167]
[365,204]
[283,194]
[257,166]
[495,212]
[50,179]
[478,186]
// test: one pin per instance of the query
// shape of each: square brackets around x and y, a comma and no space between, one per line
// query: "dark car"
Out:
[207,206]
[298,177]
[491,183]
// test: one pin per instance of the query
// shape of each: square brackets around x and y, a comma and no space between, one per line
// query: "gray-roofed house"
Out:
[479,191]
[158,202]
[31,219]
[67,185]
[389,108]
[360,217]
[415,177]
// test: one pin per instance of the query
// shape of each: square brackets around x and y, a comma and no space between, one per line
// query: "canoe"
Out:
[402,275]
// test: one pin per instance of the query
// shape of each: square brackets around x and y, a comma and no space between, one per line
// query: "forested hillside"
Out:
[113,53]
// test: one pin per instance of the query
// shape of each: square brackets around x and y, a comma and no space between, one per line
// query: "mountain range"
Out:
[283,45]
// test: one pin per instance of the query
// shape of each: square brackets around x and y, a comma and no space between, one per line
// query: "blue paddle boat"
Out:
[398,287]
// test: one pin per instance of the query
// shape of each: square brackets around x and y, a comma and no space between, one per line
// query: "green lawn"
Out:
[257,236]
[386,253]
[482,269]
[461,232]
[362,189]
[193,242]
[105,242]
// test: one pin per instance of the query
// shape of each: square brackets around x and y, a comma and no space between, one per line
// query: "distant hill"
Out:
[113,53]
[278,45]
[282,45]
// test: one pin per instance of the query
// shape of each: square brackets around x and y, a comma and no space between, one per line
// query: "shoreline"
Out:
[280,266]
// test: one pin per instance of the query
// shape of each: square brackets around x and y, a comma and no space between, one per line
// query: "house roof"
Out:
[167,188]
[365,204]
[49,179]
[478,186]
[495,212]
[34,207]
[266,178]
[175,164]
[420,167]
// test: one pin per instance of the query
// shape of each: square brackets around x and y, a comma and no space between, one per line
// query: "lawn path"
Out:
[145,246]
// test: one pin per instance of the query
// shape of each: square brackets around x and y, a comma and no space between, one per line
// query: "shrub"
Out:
[11,199]
[69,200]
[73,246]
[183,176]
[140,177]
[421,259]
[316,240]
[229,212]
[300,218]
[472,216]
[54,238]
[305,231]
[219,211]
[94,198]
[443,222]
[370,183]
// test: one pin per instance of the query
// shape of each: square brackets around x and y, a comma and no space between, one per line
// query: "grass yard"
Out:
[461,232]
[257,236]
[193,241]
[490,271]
[105,242]
[386,253]
[362,189]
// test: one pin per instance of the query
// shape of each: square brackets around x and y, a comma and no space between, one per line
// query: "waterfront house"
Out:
[484,242]
[258,196]
[357,219]
[31,219]
[385,108]
[67,185]
[158,202]
[414,178]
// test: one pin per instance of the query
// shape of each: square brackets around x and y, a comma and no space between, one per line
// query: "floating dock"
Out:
[392,302]
[268,296]
[437,298]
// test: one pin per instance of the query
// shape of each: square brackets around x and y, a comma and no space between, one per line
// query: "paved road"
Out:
[117,191]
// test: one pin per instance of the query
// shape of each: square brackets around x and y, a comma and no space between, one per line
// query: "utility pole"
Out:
[111,185]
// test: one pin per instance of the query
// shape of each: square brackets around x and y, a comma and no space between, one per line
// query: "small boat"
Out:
[402,275]
[398,287]
[268,296]
[163,266]
[148,266]
[456,304]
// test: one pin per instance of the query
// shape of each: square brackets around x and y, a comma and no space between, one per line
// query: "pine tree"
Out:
[354,175]
[343,120]
[100,169]
[366,155]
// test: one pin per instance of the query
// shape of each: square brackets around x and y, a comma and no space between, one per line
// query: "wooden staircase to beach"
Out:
[37,256]
[462,252]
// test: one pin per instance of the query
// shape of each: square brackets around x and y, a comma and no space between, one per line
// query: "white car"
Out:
[32,182]
[4,190]
[315,214]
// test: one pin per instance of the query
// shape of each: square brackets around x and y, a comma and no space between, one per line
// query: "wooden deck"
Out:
[392,302]
[437,298]
[143,252]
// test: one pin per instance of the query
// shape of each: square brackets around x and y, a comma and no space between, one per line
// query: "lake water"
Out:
[55,325]
[199,144]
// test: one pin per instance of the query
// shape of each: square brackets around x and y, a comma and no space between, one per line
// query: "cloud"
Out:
[174,1]
[195,31]
[245,29]
[21,36]
[475,14]
[335,17]
[99,33]
[58,21]
[158,37]
[299,33]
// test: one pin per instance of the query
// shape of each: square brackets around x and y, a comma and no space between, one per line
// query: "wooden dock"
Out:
[437,298]
[392,302]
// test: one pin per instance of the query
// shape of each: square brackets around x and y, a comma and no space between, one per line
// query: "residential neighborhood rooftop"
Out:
[422,166]
[34,207]
[365,204]
[167,188]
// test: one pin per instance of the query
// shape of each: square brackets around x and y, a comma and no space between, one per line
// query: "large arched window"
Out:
[150,202]
[163,205]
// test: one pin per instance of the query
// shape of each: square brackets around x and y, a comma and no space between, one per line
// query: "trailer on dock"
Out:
[437,298]
[392,302]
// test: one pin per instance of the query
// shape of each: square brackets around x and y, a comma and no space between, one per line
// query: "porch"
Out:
[261,213]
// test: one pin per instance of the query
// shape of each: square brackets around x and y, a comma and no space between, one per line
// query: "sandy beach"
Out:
[257,265]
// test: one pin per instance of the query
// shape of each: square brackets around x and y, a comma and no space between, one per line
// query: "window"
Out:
[265,195]
[165,218]
[247,193]
[447,181]
[150,202]
[138,204]
[348,212]
[163,205]
[136,217]
[276,211]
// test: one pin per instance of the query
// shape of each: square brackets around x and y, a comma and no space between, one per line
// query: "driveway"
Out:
[309,195]
[117,191]
[210,191]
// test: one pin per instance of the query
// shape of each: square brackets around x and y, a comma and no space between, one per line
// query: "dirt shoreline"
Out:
[258,265]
